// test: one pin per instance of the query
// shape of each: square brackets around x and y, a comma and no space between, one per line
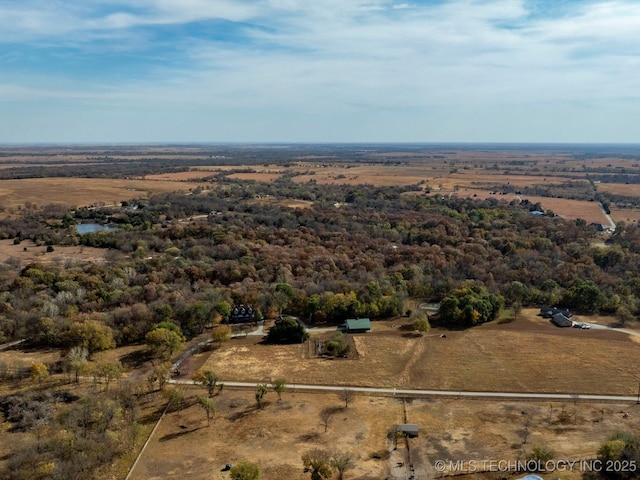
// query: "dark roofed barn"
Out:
[559,320]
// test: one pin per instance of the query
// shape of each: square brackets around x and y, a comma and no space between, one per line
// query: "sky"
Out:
[319,71]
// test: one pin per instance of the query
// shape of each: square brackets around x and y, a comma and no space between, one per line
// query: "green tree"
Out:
[469,305]
[223,309]
[194,318]
[175,397]
[541,453]
[261,391]
[160,373]
[108,371]
[279,385]
[287,330]
[338,345]
[620,447]
[317,462]
[208,406]
[92,335]
[421,323]
[163,342]
[517,309]
[245,471]
[585,295]
[208,379]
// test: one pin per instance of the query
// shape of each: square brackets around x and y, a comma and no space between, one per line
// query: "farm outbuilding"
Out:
[357,325]
[409,429]
[560,320]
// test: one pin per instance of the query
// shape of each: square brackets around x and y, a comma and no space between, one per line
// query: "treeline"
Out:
[358,251]
[574,190]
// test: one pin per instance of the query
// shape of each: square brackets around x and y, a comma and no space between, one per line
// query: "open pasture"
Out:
[28,252]
[524,355]
[15,194]
[276,436]
[528,354]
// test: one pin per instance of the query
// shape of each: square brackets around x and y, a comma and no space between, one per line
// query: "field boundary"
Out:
[400,393]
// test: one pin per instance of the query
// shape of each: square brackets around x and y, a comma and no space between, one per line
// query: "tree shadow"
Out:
[412,335]
[309,437]
[239,415]
[173,436]
[152,417]
[136,358]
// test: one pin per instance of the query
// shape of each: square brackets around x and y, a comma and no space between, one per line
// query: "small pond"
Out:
[94,228]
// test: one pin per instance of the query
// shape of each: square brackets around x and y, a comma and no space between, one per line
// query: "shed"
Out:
[357,325]
[409,429]
[559,320]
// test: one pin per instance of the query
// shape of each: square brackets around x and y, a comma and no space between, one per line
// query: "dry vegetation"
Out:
[455,172]
[15,194]
[27,252]
[276,436]
[527,355]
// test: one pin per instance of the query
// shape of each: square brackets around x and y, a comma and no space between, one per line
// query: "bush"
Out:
[287,330]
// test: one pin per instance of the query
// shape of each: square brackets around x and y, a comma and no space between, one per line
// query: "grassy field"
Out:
[276,436]
[528,355]
[15,194]
[525,355]
[27,252]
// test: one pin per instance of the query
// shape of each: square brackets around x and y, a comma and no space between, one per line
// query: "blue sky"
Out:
[111,71]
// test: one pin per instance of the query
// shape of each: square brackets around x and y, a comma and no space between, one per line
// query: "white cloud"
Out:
[359,57]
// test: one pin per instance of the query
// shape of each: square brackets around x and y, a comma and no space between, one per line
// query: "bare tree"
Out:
[76,360]
[347,396]
[341,462]
[326,418]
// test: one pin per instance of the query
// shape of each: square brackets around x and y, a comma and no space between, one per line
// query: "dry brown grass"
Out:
[275,437]
[626,215]
[27,252]
[80,191]
[631,190]
[457,429]
[566,208]
[525,355]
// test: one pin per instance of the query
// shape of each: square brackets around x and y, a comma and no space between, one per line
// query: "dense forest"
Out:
[356,251]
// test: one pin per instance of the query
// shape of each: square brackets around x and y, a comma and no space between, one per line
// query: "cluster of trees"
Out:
[469,305]
[73,436]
